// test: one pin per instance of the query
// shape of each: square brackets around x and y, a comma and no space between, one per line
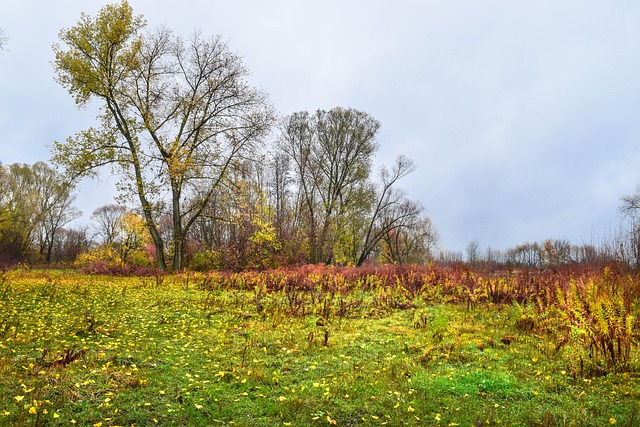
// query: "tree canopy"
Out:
[344,213]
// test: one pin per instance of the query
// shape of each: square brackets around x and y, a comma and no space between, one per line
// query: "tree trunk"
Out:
[178,237]
[177,253]
[49,248]
[155,235]
[157,242]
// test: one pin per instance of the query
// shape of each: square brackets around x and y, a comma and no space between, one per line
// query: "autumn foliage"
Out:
[595,309]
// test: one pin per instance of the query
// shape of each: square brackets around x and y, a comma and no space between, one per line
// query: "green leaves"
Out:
[83,154]
[101,53]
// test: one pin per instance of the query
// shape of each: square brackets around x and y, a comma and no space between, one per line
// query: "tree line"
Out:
[260,217]
[619,247]
[215,177]
[35,204]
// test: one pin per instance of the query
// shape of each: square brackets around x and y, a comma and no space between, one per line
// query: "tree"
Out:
[527,254]
[55,198]
[5,196]
[237,231]
[107,222]
[70,243]
[631,203]
[630,243]
[412,243]
[14,224]
[3,39]
[473,251]
[132,235]
[119,230]
[344,214]
[279,192]
[175,115]
[392,210]
[556,252]
[21,210]
[332,152]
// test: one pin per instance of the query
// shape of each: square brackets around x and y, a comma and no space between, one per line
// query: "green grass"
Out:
[105,351]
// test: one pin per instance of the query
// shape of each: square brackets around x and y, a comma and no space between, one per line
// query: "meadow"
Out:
[319,347]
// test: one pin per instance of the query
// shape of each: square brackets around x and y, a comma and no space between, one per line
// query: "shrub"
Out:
[205,261]
[107,261]
[602,313]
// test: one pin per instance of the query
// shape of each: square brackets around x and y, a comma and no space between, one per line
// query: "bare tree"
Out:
[410,236]
[473,251]
[392,210]
[279,183]
[70,243]
[527,254]
[332,152]
[4,39]
[107,222]
[631,203]
[628,242]
[56,205]
[176,115]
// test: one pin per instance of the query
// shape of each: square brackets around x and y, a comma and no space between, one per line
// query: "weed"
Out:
[601,315]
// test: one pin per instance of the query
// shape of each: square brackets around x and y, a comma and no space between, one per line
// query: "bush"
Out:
[107,261]
[206,261]
[602,313]
[139,258]
[101,267]
[102,255]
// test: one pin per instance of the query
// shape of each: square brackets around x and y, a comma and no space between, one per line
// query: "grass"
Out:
[106,351]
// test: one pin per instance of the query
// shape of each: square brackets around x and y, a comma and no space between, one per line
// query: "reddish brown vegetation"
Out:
[596,307]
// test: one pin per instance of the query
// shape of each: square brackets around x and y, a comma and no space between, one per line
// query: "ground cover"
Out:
[306,348]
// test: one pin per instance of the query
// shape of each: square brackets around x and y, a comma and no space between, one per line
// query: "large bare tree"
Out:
[332,152]
[176,115]
[392,211]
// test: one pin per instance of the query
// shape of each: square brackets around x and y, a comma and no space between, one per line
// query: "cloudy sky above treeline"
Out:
[522,116]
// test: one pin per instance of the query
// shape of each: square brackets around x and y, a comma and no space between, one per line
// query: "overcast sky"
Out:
[522,116]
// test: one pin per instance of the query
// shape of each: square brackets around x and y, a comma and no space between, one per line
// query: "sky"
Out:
[522,117]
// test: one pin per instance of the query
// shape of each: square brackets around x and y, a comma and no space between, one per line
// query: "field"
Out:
[320,347]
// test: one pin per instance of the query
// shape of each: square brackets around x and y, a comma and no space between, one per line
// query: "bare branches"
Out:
[4,39]
[332,151]
[631,203]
